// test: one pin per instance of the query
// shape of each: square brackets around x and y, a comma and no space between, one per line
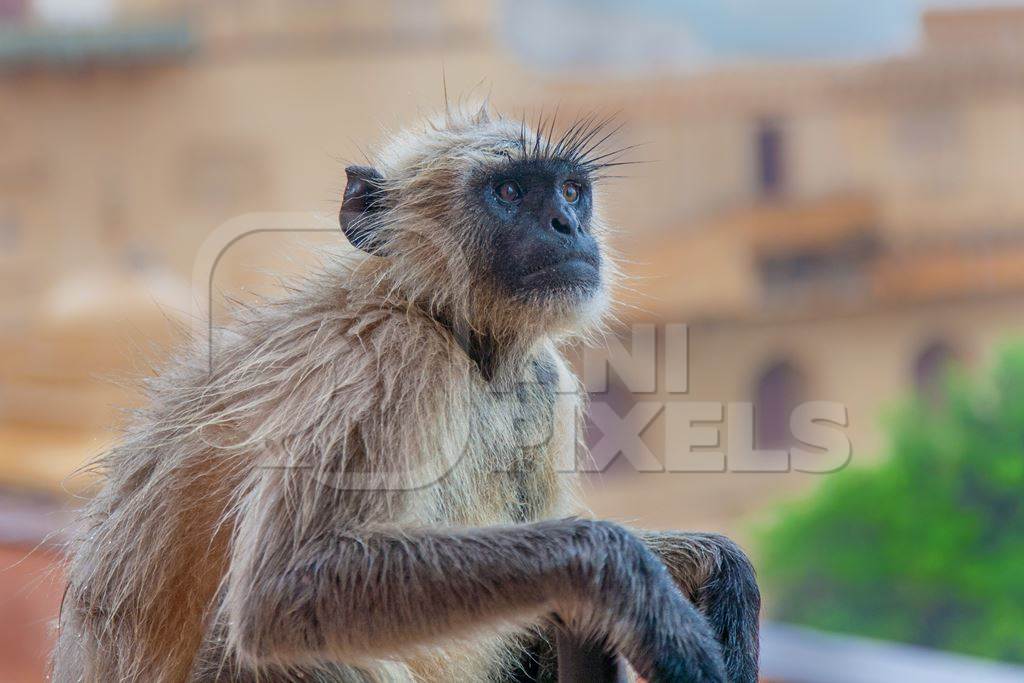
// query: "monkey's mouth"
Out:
[579,271]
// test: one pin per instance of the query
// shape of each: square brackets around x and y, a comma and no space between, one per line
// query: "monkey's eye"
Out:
[571,191]
[508,191]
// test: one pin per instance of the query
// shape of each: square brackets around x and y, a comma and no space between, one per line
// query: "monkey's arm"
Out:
[366,594]
[715,574]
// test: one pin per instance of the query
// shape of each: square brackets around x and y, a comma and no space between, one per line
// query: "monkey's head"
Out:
[487,223]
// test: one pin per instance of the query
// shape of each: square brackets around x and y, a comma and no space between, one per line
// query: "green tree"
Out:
[927,547]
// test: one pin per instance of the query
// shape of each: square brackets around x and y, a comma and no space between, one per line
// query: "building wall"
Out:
[125,170]
[865,362]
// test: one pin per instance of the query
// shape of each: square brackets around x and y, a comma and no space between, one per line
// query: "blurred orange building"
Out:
[829,232]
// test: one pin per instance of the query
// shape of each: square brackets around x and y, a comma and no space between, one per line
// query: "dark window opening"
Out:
[621,400]
[771,162]
[931,368]
[778,392]
[839,271]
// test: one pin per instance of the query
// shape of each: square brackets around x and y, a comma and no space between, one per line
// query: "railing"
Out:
[792,654]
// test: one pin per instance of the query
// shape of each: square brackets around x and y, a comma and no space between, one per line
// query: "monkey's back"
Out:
[314,387]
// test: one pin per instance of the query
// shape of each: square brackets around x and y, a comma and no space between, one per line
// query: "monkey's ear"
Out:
[363,198]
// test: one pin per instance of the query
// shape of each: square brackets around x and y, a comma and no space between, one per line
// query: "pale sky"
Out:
[632,34]
[688,31]
[798,28]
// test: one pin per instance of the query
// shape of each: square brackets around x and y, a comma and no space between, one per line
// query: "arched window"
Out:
[621,400]
[930,367]
[778,392]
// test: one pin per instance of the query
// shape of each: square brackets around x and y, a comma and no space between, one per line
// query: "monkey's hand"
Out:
[715,574]
[626,595]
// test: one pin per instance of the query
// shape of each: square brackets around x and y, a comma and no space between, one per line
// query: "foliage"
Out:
[928,546]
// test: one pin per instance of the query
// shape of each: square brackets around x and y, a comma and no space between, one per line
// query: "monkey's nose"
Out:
[565,224]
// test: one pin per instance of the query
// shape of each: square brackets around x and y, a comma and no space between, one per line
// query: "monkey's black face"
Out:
[537,238]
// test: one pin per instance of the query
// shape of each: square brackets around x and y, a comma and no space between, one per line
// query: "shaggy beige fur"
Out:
[340,495]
